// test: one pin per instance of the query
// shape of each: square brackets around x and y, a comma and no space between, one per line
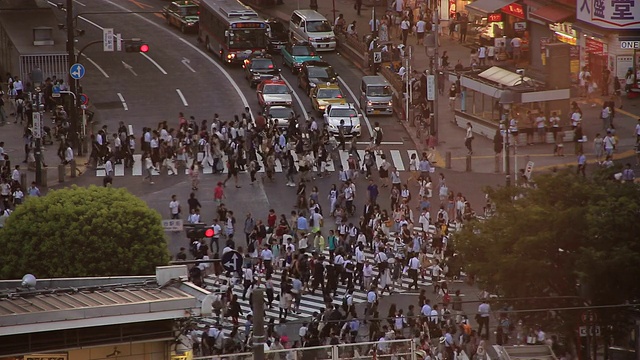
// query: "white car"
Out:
[345,115]
[280,115]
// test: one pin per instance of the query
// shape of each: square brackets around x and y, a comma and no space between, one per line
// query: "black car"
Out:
[277,35]
[259,67]
[315,72]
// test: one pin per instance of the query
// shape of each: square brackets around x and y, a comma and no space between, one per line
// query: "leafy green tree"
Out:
[568,237]
[94,231]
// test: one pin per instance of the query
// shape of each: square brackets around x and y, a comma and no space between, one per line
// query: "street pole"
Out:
[435,82]
[374,33]
[258,323]
[73,114]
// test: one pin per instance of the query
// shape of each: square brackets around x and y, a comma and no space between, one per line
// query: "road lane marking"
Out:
[357,103]
[193,47]
[96,65]
[124,103]
[154,63]
[397,160]
[136,169]
[382,143]
[184,101]
[295,94]
[79,3]
[186,62]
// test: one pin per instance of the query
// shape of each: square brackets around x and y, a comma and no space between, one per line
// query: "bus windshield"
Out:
[247,39]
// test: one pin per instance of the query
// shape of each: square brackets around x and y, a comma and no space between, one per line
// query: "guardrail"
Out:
[387,350]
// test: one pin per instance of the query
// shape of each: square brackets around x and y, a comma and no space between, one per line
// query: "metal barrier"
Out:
[402,348]
[50,64]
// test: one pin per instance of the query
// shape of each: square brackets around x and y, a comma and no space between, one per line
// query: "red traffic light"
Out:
[209,233]
[144,48]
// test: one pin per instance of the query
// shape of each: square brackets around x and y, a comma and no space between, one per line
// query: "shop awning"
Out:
[552,14]
[487,6]
[502,76]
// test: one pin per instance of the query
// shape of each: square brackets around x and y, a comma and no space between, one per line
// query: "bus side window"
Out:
[302,23]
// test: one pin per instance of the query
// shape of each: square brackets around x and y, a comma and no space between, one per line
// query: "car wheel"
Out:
[183,28]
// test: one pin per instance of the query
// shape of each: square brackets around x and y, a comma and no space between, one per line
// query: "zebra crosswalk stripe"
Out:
[398,158]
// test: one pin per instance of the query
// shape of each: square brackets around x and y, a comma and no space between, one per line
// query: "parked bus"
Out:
[231,29]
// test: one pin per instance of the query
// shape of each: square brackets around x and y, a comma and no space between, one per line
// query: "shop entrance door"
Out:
[597,64]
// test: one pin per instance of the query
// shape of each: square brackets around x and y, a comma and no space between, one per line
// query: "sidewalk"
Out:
[12,136]
[450,136]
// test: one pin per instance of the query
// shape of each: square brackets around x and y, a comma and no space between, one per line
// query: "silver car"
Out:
[345,115]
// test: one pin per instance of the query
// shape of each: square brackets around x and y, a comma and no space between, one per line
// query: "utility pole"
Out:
[73,113]
[258,323]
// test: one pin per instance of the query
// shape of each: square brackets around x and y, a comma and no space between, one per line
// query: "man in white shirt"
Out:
[405,26]
[174,207]
[482,55]
[248,280]
[68,154]
[377,25]
[15,175]
[367,274]
[267,260]
[426,310]
[516,44]
[421,27]
[484,311]
[413,266]
[372,299]
[215,239]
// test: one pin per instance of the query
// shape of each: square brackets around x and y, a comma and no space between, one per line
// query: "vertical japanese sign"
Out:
[609,14]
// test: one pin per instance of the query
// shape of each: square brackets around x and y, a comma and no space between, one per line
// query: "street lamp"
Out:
[506,100]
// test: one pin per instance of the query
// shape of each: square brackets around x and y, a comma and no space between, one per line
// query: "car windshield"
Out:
[275,89]
[280,113]
[321,72]
[262,64]
[379,91]
[343,113]
[303,51]
[247,39]
[318,26]
[329,94]
[277,28]
[190,11]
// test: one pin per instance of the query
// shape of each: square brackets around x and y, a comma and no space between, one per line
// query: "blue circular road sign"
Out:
[77,71]
[232,261]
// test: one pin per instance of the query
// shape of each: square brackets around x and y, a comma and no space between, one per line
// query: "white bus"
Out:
[231,29]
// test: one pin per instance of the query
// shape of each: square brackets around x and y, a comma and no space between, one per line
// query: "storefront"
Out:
[481,92]
[601,32]
[564,32]
[548,23]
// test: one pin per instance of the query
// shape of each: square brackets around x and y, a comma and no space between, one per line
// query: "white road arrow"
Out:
[186,63]
[130,68]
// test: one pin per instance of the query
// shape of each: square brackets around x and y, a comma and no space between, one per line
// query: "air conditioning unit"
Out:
[42,36]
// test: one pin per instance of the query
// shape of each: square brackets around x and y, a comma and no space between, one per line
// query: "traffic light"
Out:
[135,45]
[209,233]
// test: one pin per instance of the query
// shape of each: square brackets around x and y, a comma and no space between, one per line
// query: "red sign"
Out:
[494,18]
[594,47]
[514,9]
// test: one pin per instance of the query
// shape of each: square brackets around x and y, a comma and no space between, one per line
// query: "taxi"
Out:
[326,94]
[273,92]
[295,54]
[259,67]
[183,15]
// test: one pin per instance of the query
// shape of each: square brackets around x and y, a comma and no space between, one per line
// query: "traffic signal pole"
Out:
[73,85]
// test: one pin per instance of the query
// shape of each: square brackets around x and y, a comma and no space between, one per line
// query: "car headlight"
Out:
[297,64]
[369,103]
[390,103]
[288,102]
[312,84]
[322,107]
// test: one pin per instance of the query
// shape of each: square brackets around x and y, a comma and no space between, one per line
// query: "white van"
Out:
[310,25]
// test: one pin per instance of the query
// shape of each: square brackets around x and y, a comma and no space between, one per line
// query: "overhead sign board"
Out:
[107,39]
[612,14]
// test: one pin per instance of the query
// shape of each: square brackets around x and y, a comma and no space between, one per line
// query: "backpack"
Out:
[379,135]
[252,246]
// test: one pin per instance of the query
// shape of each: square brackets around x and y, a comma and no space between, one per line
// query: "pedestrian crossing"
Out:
[310,303]
[400,159]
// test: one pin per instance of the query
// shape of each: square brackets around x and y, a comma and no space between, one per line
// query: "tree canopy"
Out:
[77,231]
[569,236]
